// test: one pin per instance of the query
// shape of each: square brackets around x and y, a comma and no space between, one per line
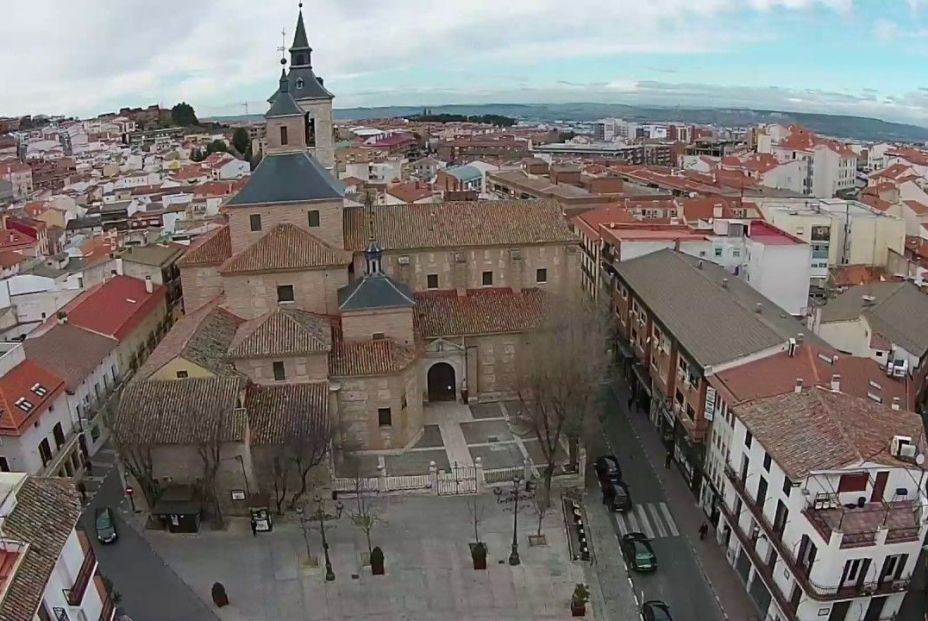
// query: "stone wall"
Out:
[358,401]
[252,295]
[297,369]
[200,285]
[330,229]
[394,323]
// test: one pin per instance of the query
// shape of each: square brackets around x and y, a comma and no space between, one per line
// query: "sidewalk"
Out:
[612,594]
[722,579]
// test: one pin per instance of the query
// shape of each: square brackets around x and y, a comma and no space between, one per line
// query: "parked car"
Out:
[655,610]
[638,553]
[105,525]
[616,496]
[607,468]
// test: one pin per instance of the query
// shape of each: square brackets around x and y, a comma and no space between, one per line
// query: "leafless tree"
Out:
[367,514]
[209,448]
[133,448]
[559,373]
[477,510]
[280,471]
[307,447]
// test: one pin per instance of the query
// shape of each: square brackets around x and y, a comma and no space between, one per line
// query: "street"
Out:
[679,580]
[149,589]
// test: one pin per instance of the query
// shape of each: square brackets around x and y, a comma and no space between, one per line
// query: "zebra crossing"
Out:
[652,519]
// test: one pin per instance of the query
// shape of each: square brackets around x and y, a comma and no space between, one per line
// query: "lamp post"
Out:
[329,574]
[514,555]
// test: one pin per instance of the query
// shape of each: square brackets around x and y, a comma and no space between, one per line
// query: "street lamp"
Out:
[514,555]
[310,561]
[329,574]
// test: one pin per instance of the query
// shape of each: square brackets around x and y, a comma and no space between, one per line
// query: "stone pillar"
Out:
[478,469]
[433,476]
[527,468]
[381,476]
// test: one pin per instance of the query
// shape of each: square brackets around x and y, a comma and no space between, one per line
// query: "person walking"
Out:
[668,460]
[82,489]
[254,527]
[339,507]
[703,530]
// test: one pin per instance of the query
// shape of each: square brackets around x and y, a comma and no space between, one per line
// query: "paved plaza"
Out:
[429,575]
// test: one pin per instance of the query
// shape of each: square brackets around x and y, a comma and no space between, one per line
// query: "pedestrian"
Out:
[631,400]
[89,467]
[82,489]
[339,507]
[668,460]
[254,527]
[703,530]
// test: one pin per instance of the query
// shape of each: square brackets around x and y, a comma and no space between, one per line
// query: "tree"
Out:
[242,142]
[182,114]
[209,448]
[558,375]
[476,510]
[217,146]
[367,514]
[308,446]
[197,155]
[134,449]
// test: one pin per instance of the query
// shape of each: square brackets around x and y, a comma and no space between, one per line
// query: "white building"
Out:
[822,522]
[832,166]
[51,565]
[378,171]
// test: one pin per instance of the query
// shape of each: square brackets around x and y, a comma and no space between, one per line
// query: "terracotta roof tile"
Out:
[454,225]
[26,391]
[70,352]
[115,307]
[45,516]
[289,332]
[285,247]
[818,429]
[211,249]
[480,311]
[284,412]
[377,357]
[182,411]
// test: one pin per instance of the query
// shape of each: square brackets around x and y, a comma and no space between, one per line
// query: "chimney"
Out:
[798,388]
[800,336]
[791,347]
[896,403]
[63,319]
[835,383]
[119,267]
[724,283]
[149,285]
[759,308]
[834,360]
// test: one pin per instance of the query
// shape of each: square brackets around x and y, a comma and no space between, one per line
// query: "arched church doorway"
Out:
[441,382]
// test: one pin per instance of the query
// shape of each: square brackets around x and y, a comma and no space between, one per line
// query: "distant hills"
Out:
[854,127]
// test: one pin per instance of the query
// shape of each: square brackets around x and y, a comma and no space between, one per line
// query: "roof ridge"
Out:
[289,313]
[837,421]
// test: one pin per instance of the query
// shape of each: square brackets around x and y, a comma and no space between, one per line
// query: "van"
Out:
[616,496]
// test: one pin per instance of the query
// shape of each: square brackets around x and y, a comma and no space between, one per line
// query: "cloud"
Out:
[89,56]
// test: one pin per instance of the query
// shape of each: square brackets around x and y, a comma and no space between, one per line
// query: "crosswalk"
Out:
[652,519]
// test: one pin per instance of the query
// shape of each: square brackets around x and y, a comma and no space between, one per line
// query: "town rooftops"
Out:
[817,429]
[589,222]
[285,247]
[464,173]
[70,352]
[288,178]
[713,314]
[479,311]
[155,255]
[458,224]
[770,235]
[897,311]
[645,231]
[369,358]
[282,332]
[209,249]
[281,413]
[45,515]
[115,307]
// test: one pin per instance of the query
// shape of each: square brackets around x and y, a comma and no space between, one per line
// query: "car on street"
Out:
[616,496]
[638,553]
[607,469]
[655,610]
[105,525]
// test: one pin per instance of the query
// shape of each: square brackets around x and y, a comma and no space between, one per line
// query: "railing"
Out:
[109,609]
[75,594]
[897,535]
[800,571]
[503,475]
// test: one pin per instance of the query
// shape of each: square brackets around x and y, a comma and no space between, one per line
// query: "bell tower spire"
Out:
[301,53]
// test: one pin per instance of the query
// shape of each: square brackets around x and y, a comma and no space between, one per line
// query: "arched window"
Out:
[299,83]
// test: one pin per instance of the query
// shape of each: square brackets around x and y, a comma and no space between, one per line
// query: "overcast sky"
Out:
[84,57]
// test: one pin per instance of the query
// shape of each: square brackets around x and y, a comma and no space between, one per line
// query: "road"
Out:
[679,580]
[150,590]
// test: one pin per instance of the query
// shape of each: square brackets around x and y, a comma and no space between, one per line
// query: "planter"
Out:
[220,598]
[578,610]
[478,554]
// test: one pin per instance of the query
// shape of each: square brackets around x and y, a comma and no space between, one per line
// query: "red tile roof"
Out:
[210,249]
[365,358]
[116,307]
[11,239]
[480,311]
[286,247]
[850,275]
[590,221]
[917,207]
[25,392]
[410,192]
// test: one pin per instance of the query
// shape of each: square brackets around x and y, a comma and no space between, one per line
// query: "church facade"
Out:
[374,311]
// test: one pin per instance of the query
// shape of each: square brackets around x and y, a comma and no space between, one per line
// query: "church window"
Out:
[255,220]
[299,83]
[384,417]
[314,218]
[279,373]
[488,279]
[432,281]
[283,135]
[285,293]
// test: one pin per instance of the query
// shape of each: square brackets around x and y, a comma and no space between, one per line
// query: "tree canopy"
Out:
[489,119]
[242,142]
[182,114]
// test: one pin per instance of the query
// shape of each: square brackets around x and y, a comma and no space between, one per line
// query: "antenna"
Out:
[283,43]
[245,105]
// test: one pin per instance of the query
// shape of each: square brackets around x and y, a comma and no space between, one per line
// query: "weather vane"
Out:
[283,46]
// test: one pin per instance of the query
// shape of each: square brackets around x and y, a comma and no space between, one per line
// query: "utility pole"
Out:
[514,555]
[329,574]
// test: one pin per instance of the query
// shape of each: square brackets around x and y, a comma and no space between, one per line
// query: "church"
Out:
[301,305]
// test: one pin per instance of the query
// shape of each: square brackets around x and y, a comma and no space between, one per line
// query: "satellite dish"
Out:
[920,459]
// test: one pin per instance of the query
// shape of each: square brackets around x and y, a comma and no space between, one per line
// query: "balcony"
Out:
[109,609]
[800,571]
[75,595]
[859,526]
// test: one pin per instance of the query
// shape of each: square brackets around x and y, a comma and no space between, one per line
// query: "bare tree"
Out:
[477,510]
[209,448]
[280,471]
[134,450]
[308,446]
[559,372]
[367,514]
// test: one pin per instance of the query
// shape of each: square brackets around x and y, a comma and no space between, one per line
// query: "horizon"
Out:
[798,56]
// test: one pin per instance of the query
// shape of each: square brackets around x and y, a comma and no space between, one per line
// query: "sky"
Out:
[85,57]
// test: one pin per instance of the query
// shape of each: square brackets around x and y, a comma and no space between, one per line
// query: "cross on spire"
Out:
[283,46]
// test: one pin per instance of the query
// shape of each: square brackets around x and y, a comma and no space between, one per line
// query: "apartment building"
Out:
[49,567]
[823,510]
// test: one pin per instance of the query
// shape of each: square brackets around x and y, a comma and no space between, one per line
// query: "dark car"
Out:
[607,469]
[616,496]
[105,525]
[638,553]
[655,610]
